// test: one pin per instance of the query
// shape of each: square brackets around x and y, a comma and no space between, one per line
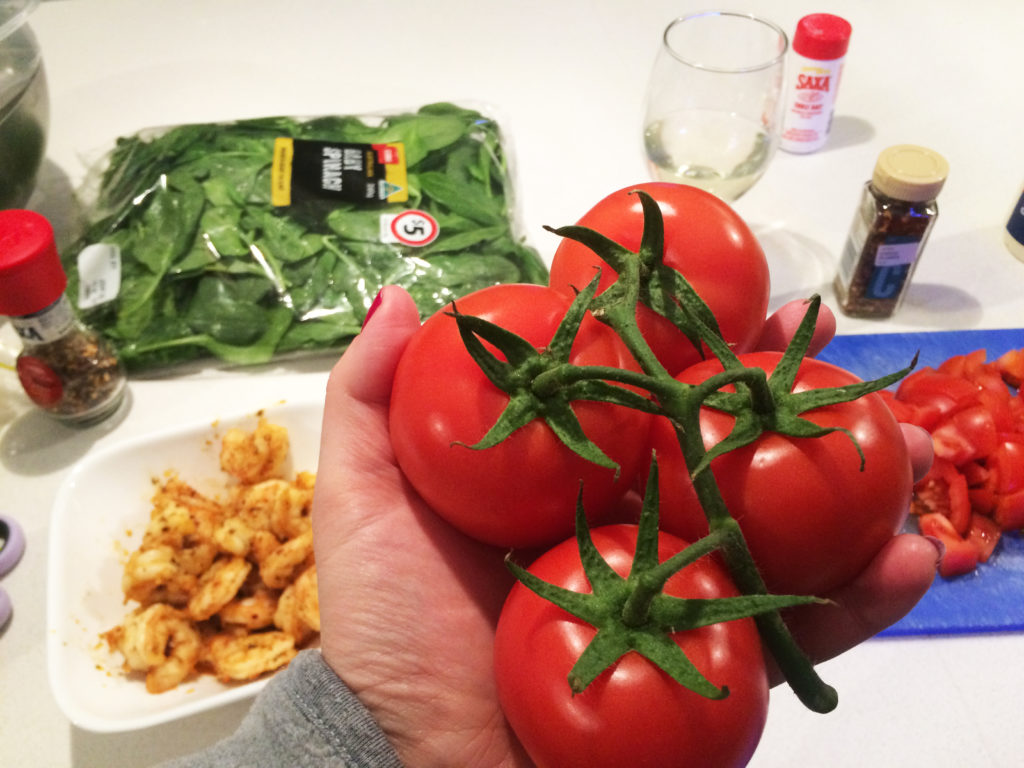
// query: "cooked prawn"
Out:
[253,611]
[160,641]
[279,567]
[154,575]
[218,586]
[234,536]
[308,598]
[298,608]
[254,456]
[147,568]
[205,513]
[290,517]
[263,543]
[169,525]
[248,656]
[197,558]
[287,617]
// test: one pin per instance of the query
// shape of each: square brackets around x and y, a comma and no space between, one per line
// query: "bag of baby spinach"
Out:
[253,240]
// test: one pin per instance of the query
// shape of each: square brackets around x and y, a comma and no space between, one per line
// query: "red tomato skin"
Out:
[522,492]
[1006,464]
[704,240]
[633,714]
[966,435]
[1009,512]
[811,518]
[984,535]
[936,395]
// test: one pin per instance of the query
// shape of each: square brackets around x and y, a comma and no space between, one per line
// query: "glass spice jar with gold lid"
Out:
[896,214]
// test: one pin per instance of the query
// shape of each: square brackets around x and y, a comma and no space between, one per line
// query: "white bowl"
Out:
[99,517]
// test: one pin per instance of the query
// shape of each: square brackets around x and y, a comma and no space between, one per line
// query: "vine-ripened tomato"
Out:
[704,240]
[633,714]
[521,492]
[812,519]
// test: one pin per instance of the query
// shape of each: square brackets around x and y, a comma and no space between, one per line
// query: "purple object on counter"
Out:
[10,553]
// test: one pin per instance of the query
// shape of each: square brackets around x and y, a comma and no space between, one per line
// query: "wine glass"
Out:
[714,101]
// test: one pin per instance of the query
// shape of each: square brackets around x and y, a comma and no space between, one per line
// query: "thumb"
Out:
[366,369]
[780,327]
[355,445]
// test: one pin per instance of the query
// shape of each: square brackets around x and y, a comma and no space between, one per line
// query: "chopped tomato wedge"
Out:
[1005,464]
[936,395]
[944,491]
[1011,367]
[960,556]
[1009,511]
[963,366]
[983,535]
[966,435]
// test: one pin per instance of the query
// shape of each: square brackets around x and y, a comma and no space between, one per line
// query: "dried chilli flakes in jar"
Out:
[896,213]
[76,376]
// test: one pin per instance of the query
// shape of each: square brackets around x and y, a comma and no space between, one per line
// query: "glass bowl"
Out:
[24,104]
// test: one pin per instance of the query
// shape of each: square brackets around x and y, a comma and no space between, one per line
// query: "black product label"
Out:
[358,173]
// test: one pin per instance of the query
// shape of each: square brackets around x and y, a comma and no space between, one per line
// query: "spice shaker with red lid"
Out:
[65,368]
[814,70]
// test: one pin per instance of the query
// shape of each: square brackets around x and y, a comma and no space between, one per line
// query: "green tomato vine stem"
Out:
[681,404]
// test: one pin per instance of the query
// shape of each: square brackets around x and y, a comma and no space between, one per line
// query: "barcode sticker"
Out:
[99,274]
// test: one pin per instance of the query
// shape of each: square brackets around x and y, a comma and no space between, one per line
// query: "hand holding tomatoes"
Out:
[398,582]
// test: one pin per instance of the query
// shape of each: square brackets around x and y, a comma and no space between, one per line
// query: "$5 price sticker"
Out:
[414,228]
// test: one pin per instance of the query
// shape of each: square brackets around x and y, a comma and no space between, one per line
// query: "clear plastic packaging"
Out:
[258,239]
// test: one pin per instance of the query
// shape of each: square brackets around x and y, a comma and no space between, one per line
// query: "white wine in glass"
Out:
[714,102]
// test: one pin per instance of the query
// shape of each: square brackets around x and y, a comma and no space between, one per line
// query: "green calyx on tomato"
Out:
[539,382]
[643,277]
[635,614]
[769,403]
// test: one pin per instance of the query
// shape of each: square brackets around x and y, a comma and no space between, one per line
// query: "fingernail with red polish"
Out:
[373,307]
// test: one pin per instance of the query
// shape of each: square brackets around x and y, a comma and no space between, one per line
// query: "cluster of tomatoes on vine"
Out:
[682,486]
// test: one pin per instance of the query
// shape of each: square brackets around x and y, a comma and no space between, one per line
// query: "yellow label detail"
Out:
[396,176]
[281,172]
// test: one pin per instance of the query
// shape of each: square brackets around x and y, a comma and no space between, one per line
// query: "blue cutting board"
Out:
[992,598]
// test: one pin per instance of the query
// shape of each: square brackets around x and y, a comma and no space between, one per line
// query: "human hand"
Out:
[408,604]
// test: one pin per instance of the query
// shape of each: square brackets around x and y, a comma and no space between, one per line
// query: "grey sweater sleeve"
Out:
[306,716]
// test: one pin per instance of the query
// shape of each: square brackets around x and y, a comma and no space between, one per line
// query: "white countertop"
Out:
[567,79]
